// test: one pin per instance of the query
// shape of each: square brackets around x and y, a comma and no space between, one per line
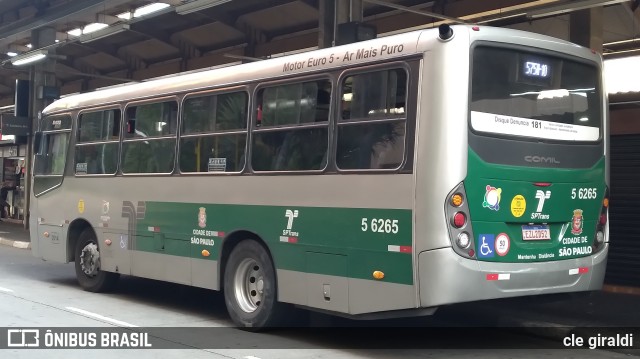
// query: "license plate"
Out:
[536,233]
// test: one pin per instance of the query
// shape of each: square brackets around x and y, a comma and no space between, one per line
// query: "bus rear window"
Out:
[525,94]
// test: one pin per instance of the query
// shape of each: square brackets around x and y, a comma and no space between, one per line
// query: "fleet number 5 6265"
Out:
[584,193]
[379,225]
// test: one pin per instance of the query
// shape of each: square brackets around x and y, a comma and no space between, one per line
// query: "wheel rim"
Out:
[248,284]
[90,260]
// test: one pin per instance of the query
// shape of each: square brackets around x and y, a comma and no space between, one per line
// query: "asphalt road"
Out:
[44,295]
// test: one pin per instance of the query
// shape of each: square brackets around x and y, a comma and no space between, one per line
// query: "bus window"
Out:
[371,132]
[290,104]
[301,149]
[150,145]
[51,156]
[152,120]
[380,94]
[214,132]
[97,144]
[293,132]
[560,96]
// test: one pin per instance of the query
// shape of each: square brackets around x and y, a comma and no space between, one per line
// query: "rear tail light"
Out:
[605,208]
[463,241]
[599,237]
[602,222]
[456,200]
[459,219]
[459,222]
[603,219]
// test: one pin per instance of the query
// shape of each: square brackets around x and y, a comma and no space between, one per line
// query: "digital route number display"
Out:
[535,71]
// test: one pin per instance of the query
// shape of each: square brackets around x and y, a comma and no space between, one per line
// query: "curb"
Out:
[15,244]
[12,221]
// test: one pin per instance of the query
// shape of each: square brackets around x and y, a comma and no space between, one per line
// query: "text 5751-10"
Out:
[379,225]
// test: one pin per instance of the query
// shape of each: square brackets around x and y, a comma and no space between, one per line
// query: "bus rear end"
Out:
[530,216]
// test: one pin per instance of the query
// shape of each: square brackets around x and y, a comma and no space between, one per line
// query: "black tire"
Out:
[250,288]
[97,280]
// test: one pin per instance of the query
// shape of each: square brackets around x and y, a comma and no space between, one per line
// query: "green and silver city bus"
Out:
[377,179]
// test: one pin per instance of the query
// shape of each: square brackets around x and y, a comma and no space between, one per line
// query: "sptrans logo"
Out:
[542,196]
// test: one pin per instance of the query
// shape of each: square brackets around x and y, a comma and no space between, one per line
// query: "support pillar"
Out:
[355,11]
[342,11]
[346,11]
[326,23]
[40,74]
[585,28]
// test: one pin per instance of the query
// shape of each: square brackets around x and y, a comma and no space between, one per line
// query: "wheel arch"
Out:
[76,227]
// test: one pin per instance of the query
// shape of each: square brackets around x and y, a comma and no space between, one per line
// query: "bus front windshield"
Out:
[517,93]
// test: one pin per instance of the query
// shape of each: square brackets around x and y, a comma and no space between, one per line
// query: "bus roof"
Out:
[383,48]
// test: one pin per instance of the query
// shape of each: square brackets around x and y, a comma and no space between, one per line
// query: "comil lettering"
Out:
[540,159]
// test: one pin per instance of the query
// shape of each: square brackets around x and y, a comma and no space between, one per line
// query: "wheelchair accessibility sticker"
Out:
[486,245]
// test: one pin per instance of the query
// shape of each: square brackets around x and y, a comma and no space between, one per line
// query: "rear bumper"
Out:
[446,277]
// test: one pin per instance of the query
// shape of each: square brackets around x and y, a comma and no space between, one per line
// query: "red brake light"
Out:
[459,219]
[603,219]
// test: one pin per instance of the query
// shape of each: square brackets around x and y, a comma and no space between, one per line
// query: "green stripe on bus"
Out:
[370,239]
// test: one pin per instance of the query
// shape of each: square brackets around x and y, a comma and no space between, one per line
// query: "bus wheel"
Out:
[250,287]
[87,263]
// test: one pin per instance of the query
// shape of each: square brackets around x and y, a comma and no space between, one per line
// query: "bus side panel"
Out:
[50,232]
[204,273]
[441,137]
[51,242]
[33,228]
[329,243]
[117,256]
[366,296]
[170,268]
[324,291]
[345,295]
